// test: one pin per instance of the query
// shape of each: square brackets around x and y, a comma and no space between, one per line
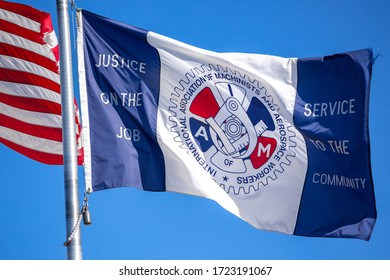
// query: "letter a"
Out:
[202,132]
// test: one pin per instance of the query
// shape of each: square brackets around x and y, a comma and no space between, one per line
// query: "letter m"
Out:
[265,148]
[261,149]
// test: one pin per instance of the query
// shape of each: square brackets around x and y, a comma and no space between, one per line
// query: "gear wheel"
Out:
[249,176]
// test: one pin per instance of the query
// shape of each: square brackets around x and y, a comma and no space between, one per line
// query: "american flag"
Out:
[30,100]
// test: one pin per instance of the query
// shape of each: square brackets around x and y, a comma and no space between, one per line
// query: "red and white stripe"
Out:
[30,101]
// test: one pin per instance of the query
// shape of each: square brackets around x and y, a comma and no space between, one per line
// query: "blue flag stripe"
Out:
[138,121]
[332,113]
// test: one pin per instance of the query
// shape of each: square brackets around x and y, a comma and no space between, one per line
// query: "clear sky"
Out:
[132,224]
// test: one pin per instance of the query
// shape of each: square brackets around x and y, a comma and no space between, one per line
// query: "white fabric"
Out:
[272,203]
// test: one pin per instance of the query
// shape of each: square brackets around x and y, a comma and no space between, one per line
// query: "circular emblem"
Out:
[232,127]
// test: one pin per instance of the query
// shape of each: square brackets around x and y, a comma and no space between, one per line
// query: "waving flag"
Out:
[280,142]
[30,100]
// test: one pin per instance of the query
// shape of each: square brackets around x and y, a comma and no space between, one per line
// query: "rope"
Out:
[73,20]
[72,3]
[77,225]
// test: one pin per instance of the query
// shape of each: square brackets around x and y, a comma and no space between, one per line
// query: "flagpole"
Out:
[72,208]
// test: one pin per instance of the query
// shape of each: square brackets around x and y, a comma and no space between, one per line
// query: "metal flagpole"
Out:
[74,251]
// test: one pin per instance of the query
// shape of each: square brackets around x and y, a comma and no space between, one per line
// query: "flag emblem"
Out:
[231,125]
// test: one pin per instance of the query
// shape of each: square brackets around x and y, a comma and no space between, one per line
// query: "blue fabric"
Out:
[338,190]
[139,78]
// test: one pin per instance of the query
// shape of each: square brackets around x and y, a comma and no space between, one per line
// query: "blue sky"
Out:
[131,224]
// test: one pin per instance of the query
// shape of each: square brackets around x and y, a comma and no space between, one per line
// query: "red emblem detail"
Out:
[263,151]
[204,104]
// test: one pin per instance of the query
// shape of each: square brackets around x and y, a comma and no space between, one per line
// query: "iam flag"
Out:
[30,100]
[280,142]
